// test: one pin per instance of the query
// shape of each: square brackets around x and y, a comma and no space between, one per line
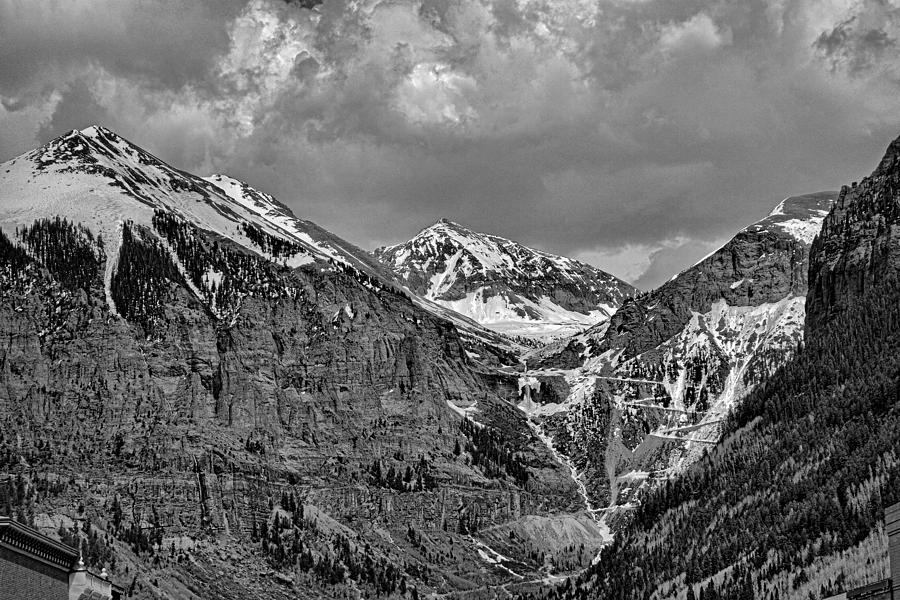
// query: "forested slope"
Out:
[790,503]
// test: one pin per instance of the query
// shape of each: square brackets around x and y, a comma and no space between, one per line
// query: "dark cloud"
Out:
[861,42]
[77,108]
[856,51]
[165,45]
[833,42]
[638,133]
[308,4]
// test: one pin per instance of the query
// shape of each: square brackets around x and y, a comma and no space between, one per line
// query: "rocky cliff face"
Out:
[859,246]
[668,366]
[502,284]
[240,404]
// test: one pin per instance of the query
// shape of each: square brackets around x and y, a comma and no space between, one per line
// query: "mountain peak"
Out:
[503,284]
[444,224]
[798,217]
[92,132]
[101,180]
[804,205]
[92,145]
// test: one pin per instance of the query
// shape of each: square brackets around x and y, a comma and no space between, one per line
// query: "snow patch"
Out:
[112,246]
[491,556]
[519,316]
[465,411]
[212,277]
[804,230]
[779,208]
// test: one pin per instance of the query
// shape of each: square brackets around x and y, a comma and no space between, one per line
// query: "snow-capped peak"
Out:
[97,178]
[503,284]
[95,131]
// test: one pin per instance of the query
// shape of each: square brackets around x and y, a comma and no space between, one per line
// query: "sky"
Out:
[636,135]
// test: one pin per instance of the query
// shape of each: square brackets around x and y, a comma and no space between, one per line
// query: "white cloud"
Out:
[434,93]
[697,33]
[627,262]
[648,265]
[266,44]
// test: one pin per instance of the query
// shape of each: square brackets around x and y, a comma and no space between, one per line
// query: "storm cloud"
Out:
[634,134]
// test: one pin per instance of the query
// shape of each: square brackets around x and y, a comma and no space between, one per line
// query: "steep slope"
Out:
[125,182]
[860,247]
[239,402]
[641,396]
[481,343]
[790,503]
[502,284]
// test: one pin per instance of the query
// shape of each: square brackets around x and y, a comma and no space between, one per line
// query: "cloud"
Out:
[627,262]
[648,265]
[672,257]
[76,108]
[699,33]
[164,45]
[866,40]
[433,93]
[634,133]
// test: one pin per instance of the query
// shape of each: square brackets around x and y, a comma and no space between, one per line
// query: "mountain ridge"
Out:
[204,369]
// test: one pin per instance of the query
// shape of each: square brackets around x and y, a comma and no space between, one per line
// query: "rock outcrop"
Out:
[859,247]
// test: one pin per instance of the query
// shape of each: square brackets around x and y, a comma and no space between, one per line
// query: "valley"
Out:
[449,300]
[237,403]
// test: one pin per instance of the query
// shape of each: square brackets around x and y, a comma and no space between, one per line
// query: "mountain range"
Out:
[218,399]
[236,399]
